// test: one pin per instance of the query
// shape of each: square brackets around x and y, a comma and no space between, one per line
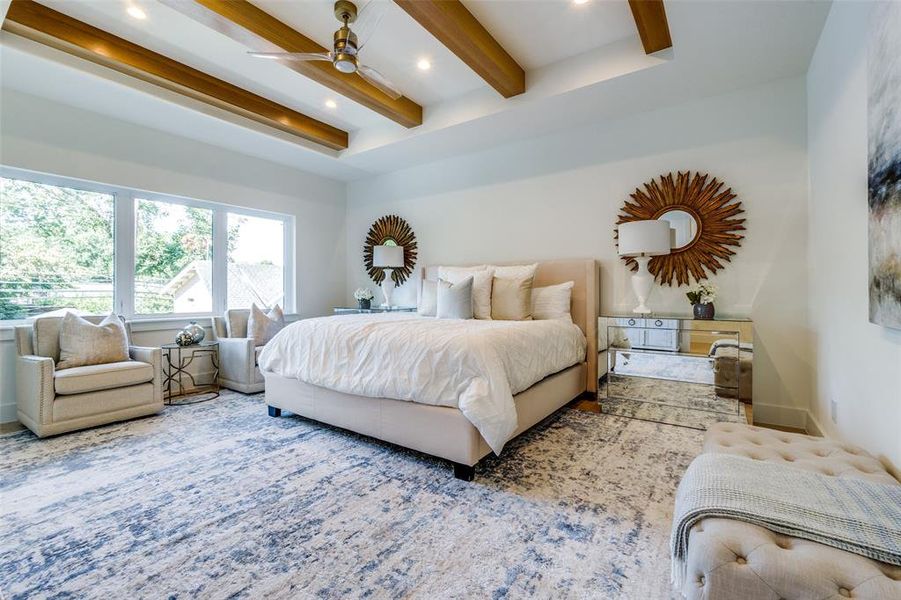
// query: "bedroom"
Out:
[210,496]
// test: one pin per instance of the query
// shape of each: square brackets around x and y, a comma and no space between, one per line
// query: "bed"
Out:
[307,384]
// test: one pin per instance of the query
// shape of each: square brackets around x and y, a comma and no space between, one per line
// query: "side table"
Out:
[176,360]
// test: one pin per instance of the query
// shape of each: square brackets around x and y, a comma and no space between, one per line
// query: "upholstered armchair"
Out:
[51,401]
[238,357]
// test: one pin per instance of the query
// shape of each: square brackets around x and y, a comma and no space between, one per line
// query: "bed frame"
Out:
[444,431]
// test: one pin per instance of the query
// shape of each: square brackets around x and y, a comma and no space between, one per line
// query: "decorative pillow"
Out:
[455,299]
[553,301]
[514,271]
[446,272]
[262,327]
[428,298]
[481,288]
[83,343]
[511,299]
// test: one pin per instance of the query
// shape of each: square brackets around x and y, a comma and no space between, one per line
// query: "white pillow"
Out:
[553,301]
[262,327]
[428,298]
[481,286]
[514,271]
[455,299]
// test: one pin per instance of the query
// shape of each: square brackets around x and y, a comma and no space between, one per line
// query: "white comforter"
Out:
[476,366]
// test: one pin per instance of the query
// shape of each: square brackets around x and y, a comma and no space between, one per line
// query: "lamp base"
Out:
[642,284]
[387,288]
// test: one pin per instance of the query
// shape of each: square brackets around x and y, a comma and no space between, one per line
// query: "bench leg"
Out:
[464,472]
[275,412]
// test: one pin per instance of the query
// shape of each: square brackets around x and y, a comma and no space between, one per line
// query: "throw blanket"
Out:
[846,513]
[472,365]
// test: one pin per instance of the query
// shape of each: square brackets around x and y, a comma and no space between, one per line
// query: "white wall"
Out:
[558,197]
[45,136]
[856,364]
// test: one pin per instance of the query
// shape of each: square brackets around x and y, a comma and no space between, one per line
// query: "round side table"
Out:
[176,360]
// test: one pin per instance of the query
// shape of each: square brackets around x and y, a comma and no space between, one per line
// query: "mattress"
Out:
[473,365]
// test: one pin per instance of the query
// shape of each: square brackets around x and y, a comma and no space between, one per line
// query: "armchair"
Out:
[50,402]
[238,357]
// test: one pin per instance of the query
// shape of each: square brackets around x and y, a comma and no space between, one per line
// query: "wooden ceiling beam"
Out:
[47,26]
[245,23]
[455,27]
[650,18]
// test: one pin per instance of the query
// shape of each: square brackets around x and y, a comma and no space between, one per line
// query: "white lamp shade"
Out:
[388,257]
[648,238]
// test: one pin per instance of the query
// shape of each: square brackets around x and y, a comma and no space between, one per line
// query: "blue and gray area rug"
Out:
[219,500]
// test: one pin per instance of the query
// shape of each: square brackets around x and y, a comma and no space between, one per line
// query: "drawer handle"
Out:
[658,323]
[631,321]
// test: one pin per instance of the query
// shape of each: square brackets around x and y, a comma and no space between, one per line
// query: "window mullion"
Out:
[124,254]
[220,261]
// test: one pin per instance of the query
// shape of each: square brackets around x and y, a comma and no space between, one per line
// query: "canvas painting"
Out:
[884,128]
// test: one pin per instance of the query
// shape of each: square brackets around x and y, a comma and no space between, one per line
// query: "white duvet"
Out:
[476,366]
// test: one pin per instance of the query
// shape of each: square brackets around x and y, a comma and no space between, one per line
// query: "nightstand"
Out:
[353,310]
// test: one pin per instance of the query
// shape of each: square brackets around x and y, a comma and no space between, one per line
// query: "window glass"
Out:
[173,258]
[56,250]
[256,252]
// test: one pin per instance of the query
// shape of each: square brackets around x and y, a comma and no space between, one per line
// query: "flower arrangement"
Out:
[703,293]
[363,294]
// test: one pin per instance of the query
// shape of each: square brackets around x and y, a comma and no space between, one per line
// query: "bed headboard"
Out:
[584,275]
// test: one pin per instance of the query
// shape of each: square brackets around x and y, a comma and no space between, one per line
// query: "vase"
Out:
[197,332]
[704,311]
[364,304]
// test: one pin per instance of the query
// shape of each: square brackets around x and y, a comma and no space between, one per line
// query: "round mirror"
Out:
[683,228]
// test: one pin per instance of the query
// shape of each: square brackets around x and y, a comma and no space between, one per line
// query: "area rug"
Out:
[219,500]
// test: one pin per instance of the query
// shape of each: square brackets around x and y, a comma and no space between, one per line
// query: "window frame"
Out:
[125,236]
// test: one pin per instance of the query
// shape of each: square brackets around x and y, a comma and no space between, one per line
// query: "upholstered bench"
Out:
[733,560]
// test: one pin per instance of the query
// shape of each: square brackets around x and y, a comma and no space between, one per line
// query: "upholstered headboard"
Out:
[585,299]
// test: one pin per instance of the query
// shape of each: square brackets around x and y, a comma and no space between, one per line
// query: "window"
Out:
[56,249]
[73,245]
[256,256]
[173,258]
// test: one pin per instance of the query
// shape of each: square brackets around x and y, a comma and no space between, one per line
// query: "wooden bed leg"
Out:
[275,412]
[464,472]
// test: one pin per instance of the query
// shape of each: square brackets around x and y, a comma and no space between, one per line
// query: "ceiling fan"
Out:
[345,52]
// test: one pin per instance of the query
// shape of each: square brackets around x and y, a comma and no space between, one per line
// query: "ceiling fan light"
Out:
[345,63]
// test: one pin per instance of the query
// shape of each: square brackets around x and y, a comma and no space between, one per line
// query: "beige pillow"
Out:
[481,287]
[552,301]
[511,299]
[514,271]
[262,327]
[83,343]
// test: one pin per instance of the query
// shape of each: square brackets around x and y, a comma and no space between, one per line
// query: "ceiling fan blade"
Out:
[368,21]
[380,81]
[296,56]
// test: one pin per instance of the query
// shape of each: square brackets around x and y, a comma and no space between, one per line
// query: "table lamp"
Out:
[642,240]
[387,258]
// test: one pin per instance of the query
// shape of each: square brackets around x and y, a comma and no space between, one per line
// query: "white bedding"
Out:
[476,366]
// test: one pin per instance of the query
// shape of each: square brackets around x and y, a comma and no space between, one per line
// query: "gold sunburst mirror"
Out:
[702,216]
[390,230]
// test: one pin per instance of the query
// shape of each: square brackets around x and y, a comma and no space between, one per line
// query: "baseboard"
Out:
[786,416]
[813,426]
[8,413]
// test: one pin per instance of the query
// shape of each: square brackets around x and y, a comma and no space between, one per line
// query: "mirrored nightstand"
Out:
[353,310]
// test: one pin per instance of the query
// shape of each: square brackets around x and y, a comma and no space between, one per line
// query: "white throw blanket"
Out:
[476,366]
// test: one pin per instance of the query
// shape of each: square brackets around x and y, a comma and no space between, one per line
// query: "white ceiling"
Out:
[583,62]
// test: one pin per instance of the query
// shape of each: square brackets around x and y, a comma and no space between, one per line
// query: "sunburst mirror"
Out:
[702,217]
[390,230]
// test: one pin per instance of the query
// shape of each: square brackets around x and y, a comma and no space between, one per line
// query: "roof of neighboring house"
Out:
[259,283]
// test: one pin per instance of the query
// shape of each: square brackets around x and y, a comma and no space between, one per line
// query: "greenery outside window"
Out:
[67,244]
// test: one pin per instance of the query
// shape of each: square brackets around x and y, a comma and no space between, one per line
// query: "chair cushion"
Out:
[91,378]
[256,354]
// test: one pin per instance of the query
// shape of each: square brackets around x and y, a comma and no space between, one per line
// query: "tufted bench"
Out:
[733,560]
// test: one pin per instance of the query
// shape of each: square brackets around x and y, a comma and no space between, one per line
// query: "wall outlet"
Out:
[833,411]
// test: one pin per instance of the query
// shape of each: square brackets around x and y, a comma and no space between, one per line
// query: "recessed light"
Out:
[424,64]
[580,1]
[331,104]
[136,12]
